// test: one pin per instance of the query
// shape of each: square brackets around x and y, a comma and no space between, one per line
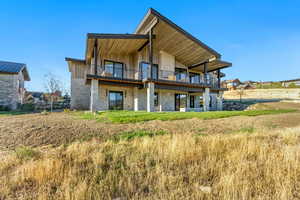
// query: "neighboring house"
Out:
[160,67]
[287,83]
[231,84]
[12,77]
[34,97]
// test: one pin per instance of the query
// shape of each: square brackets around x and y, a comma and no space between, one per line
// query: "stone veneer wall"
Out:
[9,89]
[80,94]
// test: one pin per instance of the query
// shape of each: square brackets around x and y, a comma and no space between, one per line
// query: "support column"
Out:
[220,101]
[205,73]
[160,101]
[187,103]
[95,100]
[206,99]
[219,78]
[150,54]
[136,99]
[150,97]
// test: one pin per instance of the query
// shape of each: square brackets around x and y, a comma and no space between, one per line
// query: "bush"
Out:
[27,107]
[27,153]
[4,108]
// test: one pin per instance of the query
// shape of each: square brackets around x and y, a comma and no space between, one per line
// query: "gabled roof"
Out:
[14,68]
[155,13]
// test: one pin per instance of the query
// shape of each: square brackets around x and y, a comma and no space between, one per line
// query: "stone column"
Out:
[160,101]
[95,100]
[136,99]
[150,97]
[187,103]
[220,101]
[206,99]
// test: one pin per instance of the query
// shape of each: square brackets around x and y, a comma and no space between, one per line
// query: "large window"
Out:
[144,70]
[114,69]
[180,101]
[115,100]
[181,74]
[155,99]
[194,78]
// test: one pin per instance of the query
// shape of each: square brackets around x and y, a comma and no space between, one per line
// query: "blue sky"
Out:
[260,38]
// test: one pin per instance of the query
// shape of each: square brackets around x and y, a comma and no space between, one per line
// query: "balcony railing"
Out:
[129,73]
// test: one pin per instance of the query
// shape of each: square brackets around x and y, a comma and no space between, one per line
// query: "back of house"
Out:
[12,77]
[160,67]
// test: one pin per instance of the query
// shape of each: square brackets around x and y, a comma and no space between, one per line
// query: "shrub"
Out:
[27,153]
[4,108]
[27,107]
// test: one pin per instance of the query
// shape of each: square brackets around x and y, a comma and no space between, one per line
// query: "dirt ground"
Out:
[62,128]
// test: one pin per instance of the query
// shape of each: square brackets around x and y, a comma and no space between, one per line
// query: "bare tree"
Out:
[241,92]
[52,85]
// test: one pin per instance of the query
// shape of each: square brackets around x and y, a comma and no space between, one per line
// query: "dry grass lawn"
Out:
[231,158]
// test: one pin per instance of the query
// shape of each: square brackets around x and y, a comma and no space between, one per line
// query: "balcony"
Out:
[128,73]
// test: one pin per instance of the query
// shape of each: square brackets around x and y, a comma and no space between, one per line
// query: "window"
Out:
[181,74]
[155,99]
[114,69]
[194,78]
[144,67]
[192,101]
[115,100]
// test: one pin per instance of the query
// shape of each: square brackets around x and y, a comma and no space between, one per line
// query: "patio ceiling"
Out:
[174,40]
[115,43]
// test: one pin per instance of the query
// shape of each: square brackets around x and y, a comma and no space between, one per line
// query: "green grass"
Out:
[10,113]
[142,116]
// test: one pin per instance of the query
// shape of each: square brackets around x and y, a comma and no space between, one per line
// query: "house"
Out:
[160,67]
[287,83]
[231,84]
[34,97]
[12,77]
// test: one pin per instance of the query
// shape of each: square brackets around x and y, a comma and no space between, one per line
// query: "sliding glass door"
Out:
[115,100]
[180,101]
[144,70]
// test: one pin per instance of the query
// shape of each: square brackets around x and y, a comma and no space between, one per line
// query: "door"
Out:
[180,101]
[115,100]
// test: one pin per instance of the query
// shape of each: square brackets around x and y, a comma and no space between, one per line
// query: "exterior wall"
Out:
[80,93]
[11,90]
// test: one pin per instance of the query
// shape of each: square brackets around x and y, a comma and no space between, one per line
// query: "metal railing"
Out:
[127,72]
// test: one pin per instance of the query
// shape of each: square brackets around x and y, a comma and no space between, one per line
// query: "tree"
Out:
[240,91]
[52,85]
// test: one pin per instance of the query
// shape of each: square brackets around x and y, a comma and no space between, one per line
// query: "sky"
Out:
[260,37]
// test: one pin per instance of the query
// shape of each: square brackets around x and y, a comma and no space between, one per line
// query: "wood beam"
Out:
[197,65]
[117,36]
[143,46]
